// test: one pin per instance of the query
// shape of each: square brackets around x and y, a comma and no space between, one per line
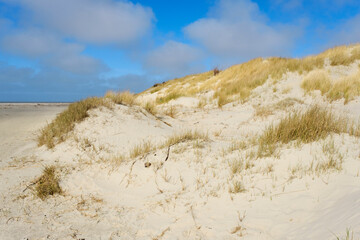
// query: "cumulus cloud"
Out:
[13,76]
[288,4]
[305,6]
[238,30]
[131,82]
[173,59]
[93,21]
[26,84]
[347,32]
[46,47]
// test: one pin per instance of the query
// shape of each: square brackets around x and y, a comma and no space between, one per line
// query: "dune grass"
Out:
[150,107]
[48,184]
[310,126]
[188,135]
[343,55]
[238,81]
[57,130]
[125,98]
[317,80]
[347,88]
[141,149]
[169,97]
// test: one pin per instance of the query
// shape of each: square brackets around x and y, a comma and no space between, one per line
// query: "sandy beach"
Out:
[20,123]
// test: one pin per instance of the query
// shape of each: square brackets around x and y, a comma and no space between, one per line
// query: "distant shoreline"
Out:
[34,103]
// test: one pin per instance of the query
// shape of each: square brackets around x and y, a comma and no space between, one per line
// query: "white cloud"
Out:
[174,59]
[40,45]
[93,21]
[288,5]
[347,32]
[238,30]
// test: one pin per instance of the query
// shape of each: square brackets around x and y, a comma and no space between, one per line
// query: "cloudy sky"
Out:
[65,50]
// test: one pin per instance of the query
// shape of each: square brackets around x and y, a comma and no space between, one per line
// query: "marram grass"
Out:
[57,130]
[314,124]
[48,183]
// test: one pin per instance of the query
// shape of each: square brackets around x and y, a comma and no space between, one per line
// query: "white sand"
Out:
[186,197]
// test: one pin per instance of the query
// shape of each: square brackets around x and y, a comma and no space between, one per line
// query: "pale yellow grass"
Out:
[188,135]
[237,82]
[318,79]
[141,149]
[347,88]
[126,97]
[310,126]
[48,183]
[57,131]
[150,107]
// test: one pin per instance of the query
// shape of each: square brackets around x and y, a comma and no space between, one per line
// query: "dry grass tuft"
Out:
[343,55]
[236,166]
[349,235]
[150,108]
[48,183]
[314,124]
[202,103]
[168,97]
[263,112]
[57,130]
[141,149]
[317,80]
[171,111]
[222,99]
[347,88]
[125,98]
[118,160]
[237,187]
[186,136]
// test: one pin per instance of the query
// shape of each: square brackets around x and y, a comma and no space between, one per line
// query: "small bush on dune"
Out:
[121,97]
[57,130]
[317,80]
[48,183]
[314,124]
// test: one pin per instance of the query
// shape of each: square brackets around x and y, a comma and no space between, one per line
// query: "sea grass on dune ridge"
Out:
[57,130]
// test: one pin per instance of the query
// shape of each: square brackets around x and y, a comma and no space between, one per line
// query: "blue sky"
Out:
[65,50]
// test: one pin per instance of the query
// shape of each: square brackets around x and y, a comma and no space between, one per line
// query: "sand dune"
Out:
[210,185]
